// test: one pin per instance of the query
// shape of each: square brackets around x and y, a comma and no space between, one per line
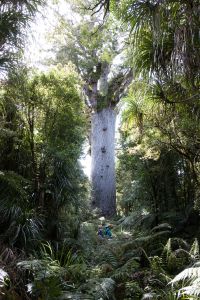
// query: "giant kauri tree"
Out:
[93,49]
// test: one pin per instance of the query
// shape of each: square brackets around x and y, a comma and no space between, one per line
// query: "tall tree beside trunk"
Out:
[93,49]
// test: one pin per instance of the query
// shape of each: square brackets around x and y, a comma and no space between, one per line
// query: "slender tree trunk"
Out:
[103,160]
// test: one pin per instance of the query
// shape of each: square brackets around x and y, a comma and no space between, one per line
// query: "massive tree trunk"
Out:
[103,160]
[102,97]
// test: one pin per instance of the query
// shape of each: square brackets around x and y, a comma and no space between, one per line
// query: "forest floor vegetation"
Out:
[133,264]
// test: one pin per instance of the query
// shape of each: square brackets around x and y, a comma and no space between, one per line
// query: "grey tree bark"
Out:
[103,160]
[103,96]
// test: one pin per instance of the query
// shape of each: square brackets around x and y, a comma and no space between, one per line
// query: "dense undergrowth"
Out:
[134,264]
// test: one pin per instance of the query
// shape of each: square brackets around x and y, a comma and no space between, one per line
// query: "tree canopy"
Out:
[42,133]
[15,16]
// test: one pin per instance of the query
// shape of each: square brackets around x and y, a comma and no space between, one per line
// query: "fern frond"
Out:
[156,265]
[120,275]
[165,277]
[161,227]
[107,256]
[194,251]
[3,277]
[124,272]
[149,296]
[174,258]
[168,246]
[150,238]
[193,290]
[133,290]
[97,289]
[75,296]
[189,273]
[197,264]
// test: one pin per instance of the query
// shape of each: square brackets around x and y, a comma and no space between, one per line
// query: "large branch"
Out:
[96,84]
[105,4]
[90,91]
[119,85]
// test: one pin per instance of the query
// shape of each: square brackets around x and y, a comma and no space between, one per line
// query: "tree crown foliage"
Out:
[42,132]
[15,16]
